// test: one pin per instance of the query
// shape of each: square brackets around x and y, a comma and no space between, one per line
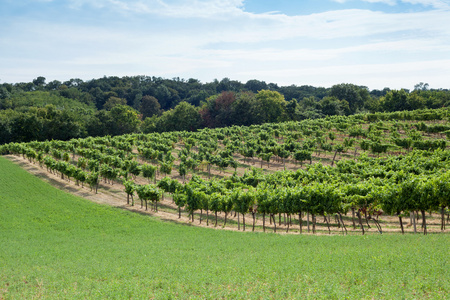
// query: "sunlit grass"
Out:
[57,246]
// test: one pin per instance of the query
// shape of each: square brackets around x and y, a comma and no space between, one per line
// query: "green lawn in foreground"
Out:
[57,246]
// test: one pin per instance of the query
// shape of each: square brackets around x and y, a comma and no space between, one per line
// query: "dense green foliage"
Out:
[57,246]
[112,106]
[415,182]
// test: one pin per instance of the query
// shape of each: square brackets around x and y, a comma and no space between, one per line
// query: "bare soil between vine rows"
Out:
[113,195]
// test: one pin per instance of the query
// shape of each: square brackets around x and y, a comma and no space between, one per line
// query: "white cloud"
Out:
[228,22]
[404,47]
[388,2]
[332,25]
[440,4]
[171,8]
[215,39]
[375,76]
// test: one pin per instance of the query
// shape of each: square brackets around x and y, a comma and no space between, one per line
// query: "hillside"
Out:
[55,245]
[349,170]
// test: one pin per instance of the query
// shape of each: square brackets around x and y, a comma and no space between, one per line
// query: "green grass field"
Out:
[57,246]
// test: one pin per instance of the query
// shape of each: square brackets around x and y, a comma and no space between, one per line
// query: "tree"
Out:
[4,94]
[114,101]
[395,101]
[356,96]
[183,117]
[271,106]
[100,124]
[308,108]
[151,124]
[332,106]
[39,82]
[244,109]
[228,85]
[167,97]
[421,86]
[24,127]
[124,120]
[197,97]
[218,110]
[415,101]
[255,85]
[53,85]
[149,106]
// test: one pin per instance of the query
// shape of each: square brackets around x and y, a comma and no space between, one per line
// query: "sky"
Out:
[374,43]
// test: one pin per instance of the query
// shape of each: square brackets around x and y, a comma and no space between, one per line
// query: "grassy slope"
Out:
[54,245]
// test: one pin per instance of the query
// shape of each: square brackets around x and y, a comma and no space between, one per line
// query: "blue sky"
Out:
[376,43]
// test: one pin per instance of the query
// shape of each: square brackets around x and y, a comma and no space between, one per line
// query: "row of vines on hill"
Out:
[415,182]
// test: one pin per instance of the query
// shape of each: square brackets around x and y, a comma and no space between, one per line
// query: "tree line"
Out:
[75,108]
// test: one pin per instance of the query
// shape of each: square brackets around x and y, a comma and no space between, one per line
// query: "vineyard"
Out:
[383,172]
[58,246]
